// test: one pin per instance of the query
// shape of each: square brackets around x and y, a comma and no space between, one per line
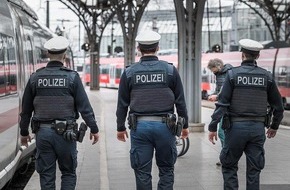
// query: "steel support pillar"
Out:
[189,21]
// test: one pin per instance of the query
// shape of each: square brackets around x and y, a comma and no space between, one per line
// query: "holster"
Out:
[72,125]
[60,126]
[226,123]
[82,132]
[179,126]
[35,125]
[132,121]
[171,123]
[70,133]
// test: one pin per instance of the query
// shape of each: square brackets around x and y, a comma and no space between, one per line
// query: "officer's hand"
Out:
[271,133]
[122,135]
[95,137]
[212,98]
[212,137]
[25,140]
[184,133]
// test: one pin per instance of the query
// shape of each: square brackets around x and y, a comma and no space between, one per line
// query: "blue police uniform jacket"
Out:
[246,92]
[55,92]
[150,87]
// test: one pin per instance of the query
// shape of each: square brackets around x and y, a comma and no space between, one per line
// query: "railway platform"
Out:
[106,165]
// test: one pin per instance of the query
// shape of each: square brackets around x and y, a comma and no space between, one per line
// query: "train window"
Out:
[12,75]
[104,69]
[79,68]
[119,72]
[282,77]
[2,76]
[282,71]
[8,70]
[204,78]
[1,57]
[87,68]
[41,57]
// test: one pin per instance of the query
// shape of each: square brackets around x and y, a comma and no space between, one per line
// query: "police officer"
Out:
[151,88]
[55,95]
[219,69]
[246,93]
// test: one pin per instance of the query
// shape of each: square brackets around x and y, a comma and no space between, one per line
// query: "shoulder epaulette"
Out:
[230,73]
[39,69]
[67,69]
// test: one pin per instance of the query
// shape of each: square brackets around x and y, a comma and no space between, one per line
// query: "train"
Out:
[275,60]
[112,68]
[21,53]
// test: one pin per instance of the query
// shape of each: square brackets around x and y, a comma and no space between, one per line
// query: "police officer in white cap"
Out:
[243,105]
[151,88]
[55,95]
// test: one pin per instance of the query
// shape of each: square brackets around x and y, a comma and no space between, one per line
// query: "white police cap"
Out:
[148,37]
[250,46]
[57,45]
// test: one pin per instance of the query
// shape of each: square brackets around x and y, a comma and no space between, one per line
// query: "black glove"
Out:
[70,135]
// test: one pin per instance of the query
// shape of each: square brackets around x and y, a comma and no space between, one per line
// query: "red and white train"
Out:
[112,68]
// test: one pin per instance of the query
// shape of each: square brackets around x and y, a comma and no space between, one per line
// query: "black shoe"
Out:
[218,163]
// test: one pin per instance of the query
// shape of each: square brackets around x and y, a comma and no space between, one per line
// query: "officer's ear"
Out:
[157,49]
[243,56]
[64,56]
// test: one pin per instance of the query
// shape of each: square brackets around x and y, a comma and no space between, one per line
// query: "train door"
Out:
[25,32]
[112,76]
[115,73]
[104,75]
[86,74]
[29,56]
[119,71]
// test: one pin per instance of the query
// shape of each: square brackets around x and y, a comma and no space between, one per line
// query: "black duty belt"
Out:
[152,118]
[47,122]
[237,119]
[49,125]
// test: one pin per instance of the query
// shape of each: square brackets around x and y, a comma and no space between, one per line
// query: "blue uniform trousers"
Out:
[148,136]
[248,137]
[51,147]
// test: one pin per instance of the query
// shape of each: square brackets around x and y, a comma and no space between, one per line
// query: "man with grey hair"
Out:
[219,69]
